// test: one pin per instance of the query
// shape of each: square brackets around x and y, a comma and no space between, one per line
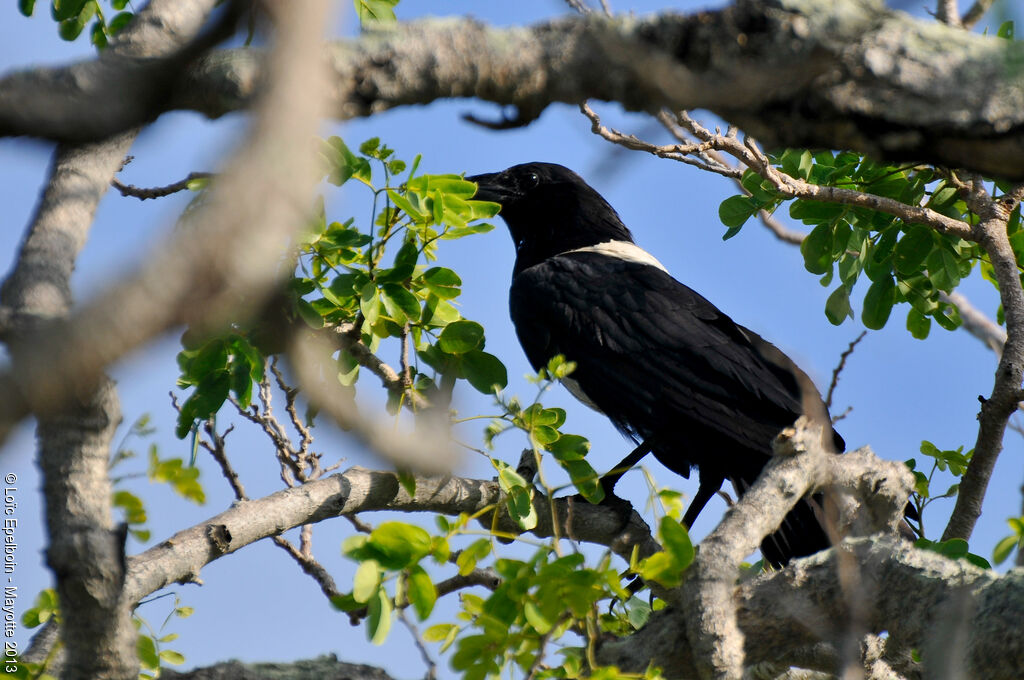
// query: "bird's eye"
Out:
[533,179]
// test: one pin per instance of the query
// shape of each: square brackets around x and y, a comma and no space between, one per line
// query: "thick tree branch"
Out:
[1006,391]
[181,557]
[806,73]
[946,594]
[800,468]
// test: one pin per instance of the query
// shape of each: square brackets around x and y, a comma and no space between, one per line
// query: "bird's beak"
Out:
[490,188]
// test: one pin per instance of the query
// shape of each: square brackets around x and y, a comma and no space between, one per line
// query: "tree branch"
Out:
[802,73]
[1006,390]
[981,604]
[181,557]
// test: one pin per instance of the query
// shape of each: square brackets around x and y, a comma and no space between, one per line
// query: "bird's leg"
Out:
[612,477]
[705,491]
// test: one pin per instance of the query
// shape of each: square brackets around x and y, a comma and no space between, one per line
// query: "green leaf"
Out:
[736,210]
[912,249]
[401,305]
[815,212]
[437,312]
[366,581]
[817,249]
[421,592]
[376,11]
[397,545]
[1004,548]
[69,29]
[66,9]
[584,478]
[369,303]
[378,620]
[406,206]
[536,618]
[146,649]
[473,553]
[837,307]
[918,324]
[442,282]
[309,314]
[661,568]
[461,337]
[343,164]
[171,656]
[98,35]
[944,269]
[483,371]
[569,447]
[676,541]
[878,303]
[26,7]
[806,162]
[439,631]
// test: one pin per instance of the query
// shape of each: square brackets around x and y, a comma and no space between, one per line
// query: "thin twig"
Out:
[839,368]
[418,641]
[219,452]
[359,524]
[158,192]
[309,565]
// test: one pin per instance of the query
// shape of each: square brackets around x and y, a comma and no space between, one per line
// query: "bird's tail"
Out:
[800,534]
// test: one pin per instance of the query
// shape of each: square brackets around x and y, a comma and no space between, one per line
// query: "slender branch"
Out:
[158,192]
[418,641]
[840,366]
[219,452]
[976,12]
[426,448]
[309,565]
[346,336]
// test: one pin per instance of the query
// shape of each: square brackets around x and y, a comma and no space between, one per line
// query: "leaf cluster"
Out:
[376,278]
[72,16]
[903,262]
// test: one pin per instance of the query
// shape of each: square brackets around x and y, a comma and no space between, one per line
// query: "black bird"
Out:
[670,370]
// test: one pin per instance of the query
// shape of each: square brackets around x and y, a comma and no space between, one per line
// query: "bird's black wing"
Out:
[658,359]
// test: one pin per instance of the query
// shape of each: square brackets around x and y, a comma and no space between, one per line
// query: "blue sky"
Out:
[257,605]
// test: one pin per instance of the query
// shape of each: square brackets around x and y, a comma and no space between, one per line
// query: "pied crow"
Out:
[669,369]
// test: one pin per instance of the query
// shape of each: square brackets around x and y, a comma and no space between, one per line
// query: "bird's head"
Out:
[549,209]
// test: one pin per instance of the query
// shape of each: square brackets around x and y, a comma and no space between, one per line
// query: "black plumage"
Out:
[664,364]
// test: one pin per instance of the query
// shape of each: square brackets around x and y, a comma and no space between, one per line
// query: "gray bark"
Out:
[806,73]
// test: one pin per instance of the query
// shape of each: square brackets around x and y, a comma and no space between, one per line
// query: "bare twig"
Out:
[682,153]
[418,641]
[219,452]
[428,448]
[346,336]
[158,192]
[310,566]
[839,368]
